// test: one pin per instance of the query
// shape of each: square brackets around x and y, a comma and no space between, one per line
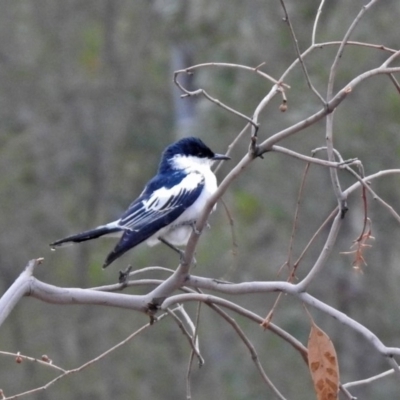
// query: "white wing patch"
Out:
[162,202]
[161,198]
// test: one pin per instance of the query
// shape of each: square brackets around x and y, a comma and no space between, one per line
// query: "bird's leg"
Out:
[171,246]
[179,251]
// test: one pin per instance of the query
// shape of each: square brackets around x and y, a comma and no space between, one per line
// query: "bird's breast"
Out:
[178,232]
[194,211]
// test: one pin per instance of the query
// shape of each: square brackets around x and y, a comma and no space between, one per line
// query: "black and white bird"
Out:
[167,209]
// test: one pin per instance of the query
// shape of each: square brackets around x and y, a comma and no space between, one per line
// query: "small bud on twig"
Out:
[283,107]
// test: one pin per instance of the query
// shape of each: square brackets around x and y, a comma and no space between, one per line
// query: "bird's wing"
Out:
[157,207]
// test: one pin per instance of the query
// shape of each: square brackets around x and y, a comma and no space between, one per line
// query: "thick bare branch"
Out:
[17,290]
[258,287]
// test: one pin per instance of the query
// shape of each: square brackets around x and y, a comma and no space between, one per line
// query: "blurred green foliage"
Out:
[91,47]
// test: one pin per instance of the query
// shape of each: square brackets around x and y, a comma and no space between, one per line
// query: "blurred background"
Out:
[87,104]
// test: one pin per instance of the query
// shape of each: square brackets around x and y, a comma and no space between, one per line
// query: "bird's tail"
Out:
[87,235]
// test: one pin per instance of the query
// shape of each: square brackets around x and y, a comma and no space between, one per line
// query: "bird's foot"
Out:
[124,275]
[195,230]
[182,259]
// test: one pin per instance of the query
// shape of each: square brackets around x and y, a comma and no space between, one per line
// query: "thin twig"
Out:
[253,353]
[323,256]
[232,146]
[359,44]
[187,335]
[339,53]
[314,31]
[88,363]
[329,119]
[369,380]
[32,359]
[197,92]
[192,353]
[394,80]
[296,219]
[338,155]
[233,235]
[316,234]
[364,199]
[312,160]
[300,58]
[257,70]
[365,185]
[218,103]
[334,43]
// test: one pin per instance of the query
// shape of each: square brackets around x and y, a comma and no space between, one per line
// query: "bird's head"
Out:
[188,153]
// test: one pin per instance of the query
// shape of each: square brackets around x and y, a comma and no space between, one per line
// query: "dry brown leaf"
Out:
[323,364]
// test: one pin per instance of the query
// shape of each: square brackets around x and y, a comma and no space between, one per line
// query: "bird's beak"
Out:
[220,157]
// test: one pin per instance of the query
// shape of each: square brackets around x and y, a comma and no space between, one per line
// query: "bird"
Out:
[171,202]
